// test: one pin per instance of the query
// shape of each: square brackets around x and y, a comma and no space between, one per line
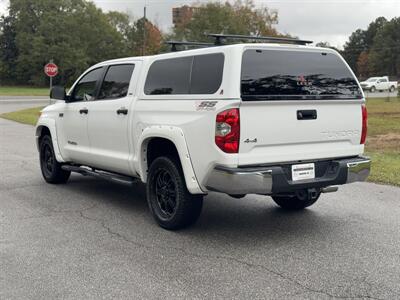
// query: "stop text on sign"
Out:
[51,70]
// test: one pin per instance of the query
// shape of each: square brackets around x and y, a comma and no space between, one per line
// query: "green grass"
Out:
[383,116]
[25,116]
[383,142]
[385,167]
[23,91]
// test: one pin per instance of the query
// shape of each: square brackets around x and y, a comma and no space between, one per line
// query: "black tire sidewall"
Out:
[188,206]
[57,175]
[46,142]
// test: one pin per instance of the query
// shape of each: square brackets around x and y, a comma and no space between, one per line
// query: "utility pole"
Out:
[144,28]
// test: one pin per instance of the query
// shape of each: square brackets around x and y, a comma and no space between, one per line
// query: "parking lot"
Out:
[94,239]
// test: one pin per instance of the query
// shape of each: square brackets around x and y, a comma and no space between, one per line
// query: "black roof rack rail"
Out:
[220,37]
[182,43]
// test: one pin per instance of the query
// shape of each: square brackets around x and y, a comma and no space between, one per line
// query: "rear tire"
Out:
[392,89]
[50,167]
[296,201]
[170,203]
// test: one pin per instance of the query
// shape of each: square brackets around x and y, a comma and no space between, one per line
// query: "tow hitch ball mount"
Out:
[313,193]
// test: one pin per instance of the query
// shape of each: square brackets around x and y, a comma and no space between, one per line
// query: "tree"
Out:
[362,65]
[385,52]
[238,18]
[361,40]
[354,47]
[8,49]
[75,33]
[136,37]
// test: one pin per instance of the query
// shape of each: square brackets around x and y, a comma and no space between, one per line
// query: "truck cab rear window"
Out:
[296,75]
[201,74]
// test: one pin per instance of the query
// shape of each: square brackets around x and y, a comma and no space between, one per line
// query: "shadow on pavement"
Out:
[237,221]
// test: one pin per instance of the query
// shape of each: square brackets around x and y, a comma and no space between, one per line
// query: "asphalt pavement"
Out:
[91,239]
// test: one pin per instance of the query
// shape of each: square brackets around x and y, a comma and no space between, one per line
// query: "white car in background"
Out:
[379,83]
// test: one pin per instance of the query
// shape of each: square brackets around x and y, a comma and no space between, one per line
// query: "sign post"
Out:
[51,70]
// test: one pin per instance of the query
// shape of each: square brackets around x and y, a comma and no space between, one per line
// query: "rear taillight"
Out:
[364,124]
[227,130]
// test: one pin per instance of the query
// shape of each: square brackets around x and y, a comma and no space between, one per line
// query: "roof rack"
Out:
[174,44]
[220,37]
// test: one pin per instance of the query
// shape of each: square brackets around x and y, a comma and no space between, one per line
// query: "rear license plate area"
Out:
[303,171]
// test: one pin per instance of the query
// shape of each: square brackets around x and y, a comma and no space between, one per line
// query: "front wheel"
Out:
[171,204]
[372,89]
[50,167]
[297,201]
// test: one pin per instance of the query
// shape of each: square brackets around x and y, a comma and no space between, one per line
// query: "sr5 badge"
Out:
[206,105]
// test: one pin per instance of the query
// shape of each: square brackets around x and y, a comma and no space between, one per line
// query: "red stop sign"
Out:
[51,70]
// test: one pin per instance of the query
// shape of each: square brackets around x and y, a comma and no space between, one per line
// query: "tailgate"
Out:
[273,132]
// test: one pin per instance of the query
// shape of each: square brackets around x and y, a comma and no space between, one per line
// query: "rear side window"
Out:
[200,74]
[207,73]
[116,82]
[292,75]
[169,77]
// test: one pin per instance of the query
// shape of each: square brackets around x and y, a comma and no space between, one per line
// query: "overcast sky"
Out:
[318,20]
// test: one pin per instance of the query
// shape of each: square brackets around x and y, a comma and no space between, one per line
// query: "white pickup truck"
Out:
[286,121]
[379,84]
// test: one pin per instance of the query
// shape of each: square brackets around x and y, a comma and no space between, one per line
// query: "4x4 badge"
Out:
[251,141]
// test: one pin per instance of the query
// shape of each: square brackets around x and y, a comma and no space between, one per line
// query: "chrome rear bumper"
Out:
[276,179]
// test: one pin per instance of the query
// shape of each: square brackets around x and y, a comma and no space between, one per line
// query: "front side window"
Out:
[116,82]
[201,74]
[296,75]
[86,87]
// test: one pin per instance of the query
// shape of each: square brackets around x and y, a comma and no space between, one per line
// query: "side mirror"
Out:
[58,93]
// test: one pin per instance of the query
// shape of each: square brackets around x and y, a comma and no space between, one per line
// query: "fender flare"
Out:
[50,124]
[176,136]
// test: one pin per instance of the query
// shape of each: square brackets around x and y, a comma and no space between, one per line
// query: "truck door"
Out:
[109,119]
[73,121]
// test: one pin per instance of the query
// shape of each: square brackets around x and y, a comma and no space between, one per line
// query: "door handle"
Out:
[307,114]
[84,111]
[122,111]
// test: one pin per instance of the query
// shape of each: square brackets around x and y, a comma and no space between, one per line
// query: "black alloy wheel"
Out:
[165,193]
[171,204]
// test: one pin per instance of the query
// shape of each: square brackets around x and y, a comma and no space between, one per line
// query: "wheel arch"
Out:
[48,126]
[156,141]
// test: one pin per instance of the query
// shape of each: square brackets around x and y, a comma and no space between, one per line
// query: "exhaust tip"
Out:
[330,189]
